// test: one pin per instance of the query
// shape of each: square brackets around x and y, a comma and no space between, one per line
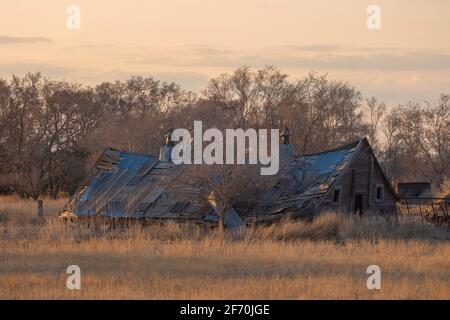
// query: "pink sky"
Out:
[189,41]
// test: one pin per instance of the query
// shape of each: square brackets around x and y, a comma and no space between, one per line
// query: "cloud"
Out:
[47,70]
[314,48]
[189,80]
[23,40]
[376,59]
[316,57]
[211,50]
[183,55]
[392,74]
[388,62]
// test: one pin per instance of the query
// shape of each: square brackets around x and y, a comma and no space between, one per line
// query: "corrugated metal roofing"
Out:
[124,184]
[304,181]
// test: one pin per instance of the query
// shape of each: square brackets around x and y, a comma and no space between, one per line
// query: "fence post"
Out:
[421,215]
[407,209]
[40,209]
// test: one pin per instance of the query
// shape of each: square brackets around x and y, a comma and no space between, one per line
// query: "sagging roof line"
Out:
[347,146]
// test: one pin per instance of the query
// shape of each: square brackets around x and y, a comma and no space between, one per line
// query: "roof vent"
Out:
[286,148]
[165,152]
[285,136]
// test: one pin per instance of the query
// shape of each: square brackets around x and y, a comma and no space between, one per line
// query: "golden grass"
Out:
[323,260]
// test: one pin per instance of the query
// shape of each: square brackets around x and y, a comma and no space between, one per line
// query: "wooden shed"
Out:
[414,189]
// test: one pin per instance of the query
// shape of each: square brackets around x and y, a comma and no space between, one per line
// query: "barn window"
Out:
[337,195]
[380,193]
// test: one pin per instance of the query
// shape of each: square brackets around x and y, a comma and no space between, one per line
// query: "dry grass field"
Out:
[323,260]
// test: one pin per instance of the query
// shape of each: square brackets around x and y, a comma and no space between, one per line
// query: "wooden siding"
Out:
[365,184]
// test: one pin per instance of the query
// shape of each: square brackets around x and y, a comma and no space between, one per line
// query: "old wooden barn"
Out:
[347,179]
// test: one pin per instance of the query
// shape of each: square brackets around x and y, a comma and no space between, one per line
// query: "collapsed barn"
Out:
[122,184]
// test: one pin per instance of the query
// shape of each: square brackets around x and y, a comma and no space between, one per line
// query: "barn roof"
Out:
[304,181]
[124,184]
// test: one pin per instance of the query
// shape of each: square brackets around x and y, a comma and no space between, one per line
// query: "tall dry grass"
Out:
[342,227]
[326,259]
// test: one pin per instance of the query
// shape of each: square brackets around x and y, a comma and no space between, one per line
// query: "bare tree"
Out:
[226,186]
[392,148]
[51,130]
[249,98]
[376,111]
[422,133]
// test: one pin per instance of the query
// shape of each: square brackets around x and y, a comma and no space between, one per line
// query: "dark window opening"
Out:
[358,207]
[379,194]
[337,195]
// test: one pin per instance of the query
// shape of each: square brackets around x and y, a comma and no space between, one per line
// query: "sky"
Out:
[191,41]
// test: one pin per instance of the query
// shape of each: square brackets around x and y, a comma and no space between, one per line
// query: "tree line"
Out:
[51,131]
